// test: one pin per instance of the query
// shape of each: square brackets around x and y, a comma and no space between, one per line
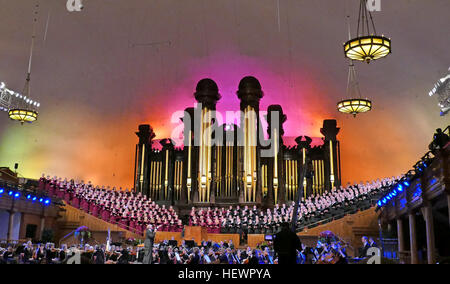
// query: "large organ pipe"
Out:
[166,174]
[253,160]
[142,166]
[295,179]
[152,179]
[304,165]
[208,154]
[331,164]
[322,180]
[189,178]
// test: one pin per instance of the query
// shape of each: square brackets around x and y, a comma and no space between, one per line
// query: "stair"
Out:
[349,228]
[72,218]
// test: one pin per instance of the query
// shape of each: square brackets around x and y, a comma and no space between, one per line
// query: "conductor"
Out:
[286,244]
[148,244]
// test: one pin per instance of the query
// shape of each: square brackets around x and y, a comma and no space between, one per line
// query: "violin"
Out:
[328,258]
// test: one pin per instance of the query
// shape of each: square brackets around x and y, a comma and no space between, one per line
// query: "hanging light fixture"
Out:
[367,46]
[26,109]
[355,104]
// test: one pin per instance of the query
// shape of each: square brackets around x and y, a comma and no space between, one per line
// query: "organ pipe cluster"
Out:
[230,163]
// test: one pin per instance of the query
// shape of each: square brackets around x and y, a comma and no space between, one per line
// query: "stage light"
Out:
[17,195]
[400,188]
[34,198]
[10,193]
[47,202]
[406,183]
[379,203]
[2,190]
[384,200]
[388,197]
[29,196]
[41,200]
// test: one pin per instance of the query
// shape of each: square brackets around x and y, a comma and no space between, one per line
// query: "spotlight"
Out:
[17,195]
[47,202]
[41,200]
[400,188]
[384,200]
[10,193]
[394,193]
[2,190]
[379,204]
[406,183]
[34,198]
[29,196]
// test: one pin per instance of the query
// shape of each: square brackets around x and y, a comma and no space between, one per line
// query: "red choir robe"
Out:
[75,202]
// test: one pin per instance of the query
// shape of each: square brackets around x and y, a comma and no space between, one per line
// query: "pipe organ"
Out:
[233,164]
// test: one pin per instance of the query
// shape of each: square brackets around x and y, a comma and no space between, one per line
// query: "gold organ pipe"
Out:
[295,178]
[286,177]
[181,180]
[141,178]
[166,174]
[314,179]
[275,165]
[230,169]
[156,179]
[331,164]
[317,176]
[304,179]
[200,161]
[189,178]
[208,165]
[323,176]
[152,177]
[254,132]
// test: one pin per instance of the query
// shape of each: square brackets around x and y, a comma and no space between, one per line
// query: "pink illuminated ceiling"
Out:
[101,72]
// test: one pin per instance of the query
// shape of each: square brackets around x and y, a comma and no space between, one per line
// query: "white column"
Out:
[413,239]
[429,225]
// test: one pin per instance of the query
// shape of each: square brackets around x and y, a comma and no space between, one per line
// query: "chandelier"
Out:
[367,46]
[356,104]
[25,109]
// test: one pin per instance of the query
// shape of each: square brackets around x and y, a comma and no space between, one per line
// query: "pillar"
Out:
[206,94]
[413,239]
[400,235]
[275,130]
[250,93]
[429,227]
[330,131]
[42,226]
[10,225]
[143,148]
